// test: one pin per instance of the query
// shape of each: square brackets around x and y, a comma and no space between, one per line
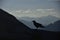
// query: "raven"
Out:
[37,24]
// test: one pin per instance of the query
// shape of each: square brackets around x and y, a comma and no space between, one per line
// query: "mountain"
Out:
[11,28]
[46,20]
[27,18]
[52,32]
[57,23]
[28,23]
[43,20]
[53,27]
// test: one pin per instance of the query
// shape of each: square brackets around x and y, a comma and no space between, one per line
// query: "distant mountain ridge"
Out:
[53,27]
[43,20]
[55,24]
[47,20]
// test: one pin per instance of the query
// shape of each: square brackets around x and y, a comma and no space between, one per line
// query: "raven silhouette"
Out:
[37,24]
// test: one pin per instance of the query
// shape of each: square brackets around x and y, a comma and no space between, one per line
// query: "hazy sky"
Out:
[32,8]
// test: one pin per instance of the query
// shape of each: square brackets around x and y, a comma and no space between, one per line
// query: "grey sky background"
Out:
[32,8]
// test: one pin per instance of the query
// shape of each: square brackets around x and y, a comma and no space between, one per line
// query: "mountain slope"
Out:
[53,27]
[28,23]
[43,20]
[11,28]
[47,20]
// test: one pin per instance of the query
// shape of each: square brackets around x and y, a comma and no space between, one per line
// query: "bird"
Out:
[37,24]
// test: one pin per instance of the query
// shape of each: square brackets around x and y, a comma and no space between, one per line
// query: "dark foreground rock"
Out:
[46,35]
[11,28]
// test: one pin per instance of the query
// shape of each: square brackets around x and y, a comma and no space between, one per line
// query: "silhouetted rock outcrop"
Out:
[38,24]
[45,35]
[11,28]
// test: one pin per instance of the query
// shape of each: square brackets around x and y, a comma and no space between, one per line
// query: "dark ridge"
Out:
[10,27]
[45,35]
[5,17]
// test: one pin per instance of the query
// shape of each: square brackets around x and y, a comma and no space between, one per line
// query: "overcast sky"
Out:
[32,8]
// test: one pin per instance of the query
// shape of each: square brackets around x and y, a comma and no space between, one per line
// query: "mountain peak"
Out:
[50,16]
